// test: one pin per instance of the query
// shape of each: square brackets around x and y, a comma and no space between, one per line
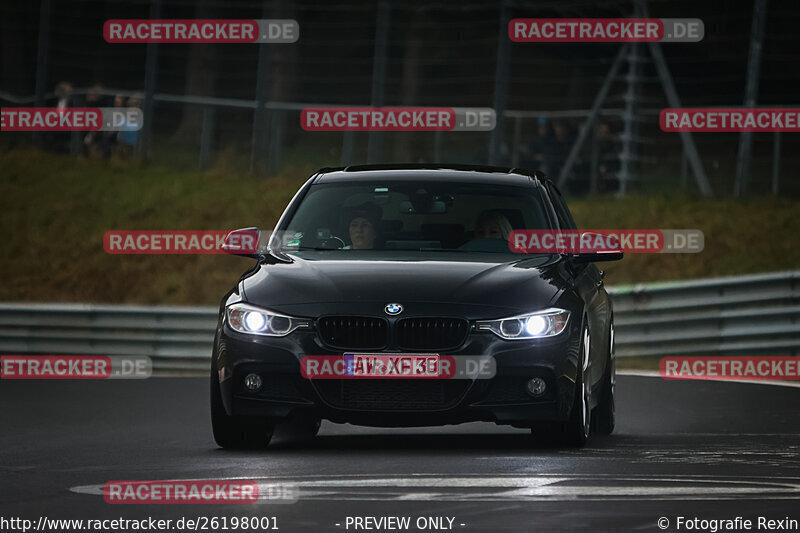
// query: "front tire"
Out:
[603,417]
[575,431]
[236,432]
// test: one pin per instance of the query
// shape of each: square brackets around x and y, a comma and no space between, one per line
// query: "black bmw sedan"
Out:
[403,263]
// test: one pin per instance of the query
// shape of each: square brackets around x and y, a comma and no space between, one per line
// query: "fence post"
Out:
[151,71]
[275,140]
[42,56]
[206,135]
[630,134]
[259,139]
[684,168]
[438,139]
[517,140]
[594,170]
[750,94]
[346,158]
[776,162]
[374,142]
[500,85]
[75,143]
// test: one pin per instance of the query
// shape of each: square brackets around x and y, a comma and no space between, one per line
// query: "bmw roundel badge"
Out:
[393,309]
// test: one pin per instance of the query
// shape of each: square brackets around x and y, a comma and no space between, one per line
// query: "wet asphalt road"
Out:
[692,449]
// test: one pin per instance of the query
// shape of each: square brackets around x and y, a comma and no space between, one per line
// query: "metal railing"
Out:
[175,338]
[756,314]
[275,147]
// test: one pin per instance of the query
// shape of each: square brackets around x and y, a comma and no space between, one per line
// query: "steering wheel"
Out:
[331,242]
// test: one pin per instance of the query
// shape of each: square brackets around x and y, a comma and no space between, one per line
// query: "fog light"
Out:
[536,386]
[252,382]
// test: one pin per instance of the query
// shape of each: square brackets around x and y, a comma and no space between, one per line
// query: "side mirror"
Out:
[610,250]
[244,242]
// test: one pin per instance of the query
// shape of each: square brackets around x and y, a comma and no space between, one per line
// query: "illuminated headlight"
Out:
[547,323]
[246,318]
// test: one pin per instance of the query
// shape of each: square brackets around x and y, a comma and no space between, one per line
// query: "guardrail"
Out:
[177,339]
[758,314]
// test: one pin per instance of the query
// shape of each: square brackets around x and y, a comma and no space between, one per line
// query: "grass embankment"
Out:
[54,211]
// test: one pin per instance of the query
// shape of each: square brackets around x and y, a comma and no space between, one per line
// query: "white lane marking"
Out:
[549,487]
[656,374]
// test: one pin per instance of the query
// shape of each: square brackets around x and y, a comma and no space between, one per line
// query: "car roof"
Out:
[443,172]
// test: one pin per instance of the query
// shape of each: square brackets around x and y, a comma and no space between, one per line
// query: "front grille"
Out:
[426,333]
[392,394]
[353,332]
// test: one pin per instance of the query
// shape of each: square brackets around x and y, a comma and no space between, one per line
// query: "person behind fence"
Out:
[126,139]
[560,147]
[97,144]
[59,141]
[539,152]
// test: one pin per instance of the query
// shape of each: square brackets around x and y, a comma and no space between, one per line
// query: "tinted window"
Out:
[413,215]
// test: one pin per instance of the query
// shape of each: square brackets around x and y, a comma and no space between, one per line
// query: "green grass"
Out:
[755,235]
[54,211]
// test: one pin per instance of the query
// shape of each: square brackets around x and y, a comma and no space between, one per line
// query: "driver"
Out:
[492,225]
[364,221]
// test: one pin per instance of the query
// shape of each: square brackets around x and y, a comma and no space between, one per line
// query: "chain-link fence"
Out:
[239,104]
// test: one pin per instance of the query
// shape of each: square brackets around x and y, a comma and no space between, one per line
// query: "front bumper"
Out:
[399,402]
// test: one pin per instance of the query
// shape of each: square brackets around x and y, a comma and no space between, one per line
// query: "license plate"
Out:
[392,366]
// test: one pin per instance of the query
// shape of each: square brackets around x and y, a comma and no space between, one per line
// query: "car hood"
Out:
[483,285]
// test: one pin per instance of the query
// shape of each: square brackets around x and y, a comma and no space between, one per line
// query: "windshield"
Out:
[414,216]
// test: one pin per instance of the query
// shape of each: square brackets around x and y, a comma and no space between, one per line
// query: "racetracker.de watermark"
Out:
[196,492]
[75,367]
[397,366]
[643,241]
[181,242]
[398,119]
[730,119]
[731,368]
[606,30]
[71,119]
[201,31]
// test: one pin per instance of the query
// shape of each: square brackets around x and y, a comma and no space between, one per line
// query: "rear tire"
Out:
[236,432]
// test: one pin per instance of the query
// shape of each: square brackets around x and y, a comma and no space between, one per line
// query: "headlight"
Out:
[246,318]
[547,323]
